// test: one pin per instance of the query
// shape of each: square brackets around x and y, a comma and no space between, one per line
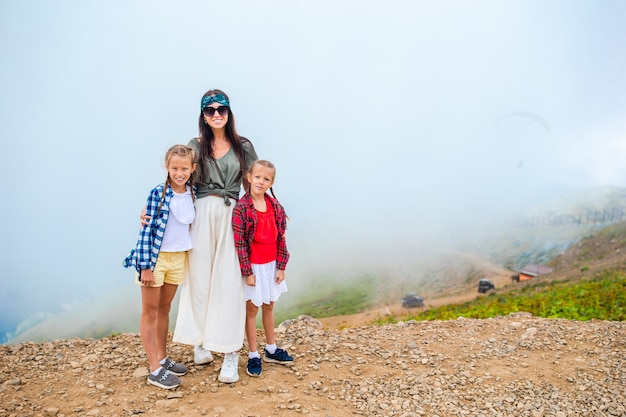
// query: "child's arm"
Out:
[280,276]
[283,253]
[251,280]
[146,240]
[147,277]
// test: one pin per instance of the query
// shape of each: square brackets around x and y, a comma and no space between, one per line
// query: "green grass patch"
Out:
[602,297]
[329,297]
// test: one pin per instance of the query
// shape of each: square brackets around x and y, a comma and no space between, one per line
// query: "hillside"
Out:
[603,250]
[446,272]
[517,365]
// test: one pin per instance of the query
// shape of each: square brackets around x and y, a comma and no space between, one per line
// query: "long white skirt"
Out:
[212,310]
[266,289]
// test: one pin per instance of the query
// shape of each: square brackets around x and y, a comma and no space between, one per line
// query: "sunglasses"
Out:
[210,111]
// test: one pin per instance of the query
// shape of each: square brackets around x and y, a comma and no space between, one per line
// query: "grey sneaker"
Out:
[165,379]
[229,373]
[175,368]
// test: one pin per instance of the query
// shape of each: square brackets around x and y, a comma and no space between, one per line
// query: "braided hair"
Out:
[266,164]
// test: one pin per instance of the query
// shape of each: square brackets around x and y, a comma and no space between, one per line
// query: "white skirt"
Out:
[266,289]
[211,310]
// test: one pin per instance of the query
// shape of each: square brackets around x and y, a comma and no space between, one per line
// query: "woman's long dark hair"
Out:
[207,138]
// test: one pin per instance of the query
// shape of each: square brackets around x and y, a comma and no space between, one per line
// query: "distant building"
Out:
[532,270]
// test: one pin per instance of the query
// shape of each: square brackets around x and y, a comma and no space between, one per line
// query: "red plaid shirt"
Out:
[244,226]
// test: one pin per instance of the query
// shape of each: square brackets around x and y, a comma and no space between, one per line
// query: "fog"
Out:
[392,124]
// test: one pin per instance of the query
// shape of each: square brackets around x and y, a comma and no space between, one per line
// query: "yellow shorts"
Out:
[169,269]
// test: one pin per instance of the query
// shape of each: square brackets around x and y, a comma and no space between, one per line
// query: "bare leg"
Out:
[268,322]
[251,312]
[148,324]
[163,318]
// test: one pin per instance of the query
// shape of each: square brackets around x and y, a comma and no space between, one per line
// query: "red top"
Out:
[244,226]
[263,248]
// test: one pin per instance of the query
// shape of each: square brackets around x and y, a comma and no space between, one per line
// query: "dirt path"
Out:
[500,276]
[365,318]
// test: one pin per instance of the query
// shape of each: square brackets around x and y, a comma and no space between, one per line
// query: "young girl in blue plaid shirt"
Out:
[160,257]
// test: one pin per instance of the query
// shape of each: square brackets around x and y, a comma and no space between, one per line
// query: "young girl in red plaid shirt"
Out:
[259,224]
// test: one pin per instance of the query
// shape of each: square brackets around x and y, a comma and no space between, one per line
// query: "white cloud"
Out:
[365,108]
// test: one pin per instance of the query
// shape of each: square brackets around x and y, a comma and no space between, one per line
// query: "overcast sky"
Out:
[388,121]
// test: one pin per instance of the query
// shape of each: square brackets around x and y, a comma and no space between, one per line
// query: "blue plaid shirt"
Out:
[146,252]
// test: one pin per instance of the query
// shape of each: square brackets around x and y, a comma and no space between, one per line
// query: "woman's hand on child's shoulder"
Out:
[144,218]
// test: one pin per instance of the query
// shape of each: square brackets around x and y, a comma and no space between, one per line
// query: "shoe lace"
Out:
[280,353]
[165,375]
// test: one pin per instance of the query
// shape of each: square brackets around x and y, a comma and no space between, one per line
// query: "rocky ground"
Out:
[510,366]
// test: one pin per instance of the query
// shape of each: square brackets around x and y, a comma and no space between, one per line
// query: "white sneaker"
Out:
[201,355]
[229,373]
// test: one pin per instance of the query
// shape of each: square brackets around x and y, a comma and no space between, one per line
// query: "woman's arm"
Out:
[250,156]
[241,243]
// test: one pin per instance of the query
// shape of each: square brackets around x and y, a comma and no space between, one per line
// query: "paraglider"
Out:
[524,137]
[528,115]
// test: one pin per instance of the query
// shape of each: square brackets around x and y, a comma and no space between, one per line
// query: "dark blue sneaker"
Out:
[254,367]
[280,356]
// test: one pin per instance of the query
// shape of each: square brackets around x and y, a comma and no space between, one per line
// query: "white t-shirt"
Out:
[182,213]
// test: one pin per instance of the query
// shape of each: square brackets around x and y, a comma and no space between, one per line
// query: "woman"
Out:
[211,313]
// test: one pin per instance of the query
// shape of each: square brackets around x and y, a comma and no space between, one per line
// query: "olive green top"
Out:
[222,178]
